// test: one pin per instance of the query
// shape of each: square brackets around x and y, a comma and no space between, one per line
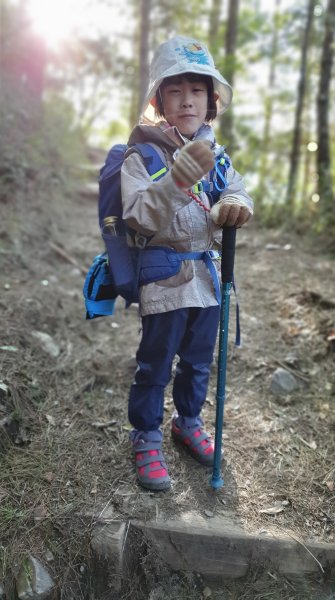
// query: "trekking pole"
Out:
[227,268]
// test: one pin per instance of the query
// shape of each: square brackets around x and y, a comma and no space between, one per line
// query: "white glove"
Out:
[230,210]
[193,161]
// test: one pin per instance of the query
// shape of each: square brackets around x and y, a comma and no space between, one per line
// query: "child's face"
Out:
[185,105]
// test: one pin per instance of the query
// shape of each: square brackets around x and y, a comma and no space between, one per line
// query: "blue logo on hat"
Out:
[194,53]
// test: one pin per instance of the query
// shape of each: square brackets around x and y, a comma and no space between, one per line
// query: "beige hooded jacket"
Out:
[164,211]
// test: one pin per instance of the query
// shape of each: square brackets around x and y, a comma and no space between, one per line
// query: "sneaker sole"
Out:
[155,487]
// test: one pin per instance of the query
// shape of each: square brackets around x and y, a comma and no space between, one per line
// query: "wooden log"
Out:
[107,545]
[218,549]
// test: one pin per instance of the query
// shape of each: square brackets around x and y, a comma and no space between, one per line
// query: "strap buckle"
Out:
[198,187]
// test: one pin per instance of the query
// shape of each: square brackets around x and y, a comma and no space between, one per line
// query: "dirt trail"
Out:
[72,432]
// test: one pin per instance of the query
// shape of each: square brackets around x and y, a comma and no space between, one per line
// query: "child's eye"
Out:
[197,90]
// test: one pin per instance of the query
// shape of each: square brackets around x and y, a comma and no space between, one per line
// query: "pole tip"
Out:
[216,483]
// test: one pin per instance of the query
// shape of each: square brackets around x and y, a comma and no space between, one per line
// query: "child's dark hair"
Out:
[192,78]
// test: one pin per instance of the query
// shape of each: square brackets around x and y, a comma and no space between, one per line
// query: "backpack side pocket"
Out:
[99,290]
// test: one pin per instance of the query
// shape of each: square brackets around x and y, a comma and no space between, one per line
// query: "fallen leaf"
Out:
[330,485]
[272,247]
[49,556]
[94,489]
[51,420]
[47,343]
[49,476]
[40,513]
[209,514]
[9,348]
[293,330]
[272,510]
[4,388]
[312,445]
[3,494]
[103,424]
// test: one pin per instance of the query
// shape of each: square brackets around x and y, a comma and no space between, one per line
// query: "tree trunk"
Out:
[144,50]
[268,109]
[323,155]
[226,122]
[214,25]
[295,150]
[308,158]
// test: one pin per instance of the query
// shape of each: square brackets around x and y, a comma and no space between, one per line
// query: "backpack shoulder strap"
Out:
[152,160]
[218,177]
[222,164]
[113,162]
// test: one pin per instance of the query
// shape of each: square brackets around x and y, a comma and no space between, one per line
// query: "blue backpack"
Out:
[123,268]
[116,271]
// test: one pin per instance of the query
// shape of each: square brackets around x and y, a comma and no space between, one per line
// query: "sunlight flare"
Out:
[54,21]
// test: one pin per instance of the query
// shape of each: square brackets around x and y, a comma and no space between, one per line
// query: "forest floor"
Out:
[65,454]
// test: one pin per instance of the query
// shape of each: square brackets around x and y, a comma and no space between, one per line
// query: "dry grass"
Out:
[65,454]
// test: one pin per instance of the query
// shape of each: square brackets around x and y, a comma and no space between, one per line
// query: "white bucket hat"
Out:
[183,55]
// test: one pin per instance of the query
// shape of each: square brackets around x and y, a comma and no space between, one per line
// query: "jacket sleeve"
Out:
[148,206]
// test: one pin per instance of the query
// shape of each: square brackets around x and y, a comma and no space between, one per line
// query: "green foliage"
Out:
[39,144]
[116,130]
[92,88]
[253,26]
[84,72]
[172,17]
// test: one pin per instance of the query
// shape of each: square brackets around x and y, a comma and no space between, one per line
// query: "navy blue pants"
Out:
[189,333]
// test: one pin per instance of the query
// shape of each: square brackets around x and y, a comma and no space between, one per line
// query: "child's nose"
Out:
[186,99]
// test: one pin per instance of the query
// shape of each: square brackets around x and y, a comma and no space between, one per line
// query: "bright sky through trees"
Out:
[54,21]
[58,20]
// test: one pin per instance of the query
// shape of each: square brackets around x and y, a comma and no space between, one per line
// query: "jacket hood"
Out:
[151,134]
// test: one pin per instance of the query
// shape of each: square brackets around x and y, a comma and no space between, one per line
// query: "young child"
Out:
[180,314]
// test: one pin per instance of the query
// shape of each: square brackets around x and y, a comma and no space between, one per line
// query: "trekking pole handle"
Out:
[228,253]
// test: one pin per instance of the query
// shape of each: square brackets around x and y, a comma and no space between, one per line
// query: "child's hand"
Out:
[193,161]
[230,213]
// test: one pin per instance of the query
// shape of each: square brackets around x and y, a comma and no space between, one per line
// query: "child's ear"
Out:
[153,102]
[216,96]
